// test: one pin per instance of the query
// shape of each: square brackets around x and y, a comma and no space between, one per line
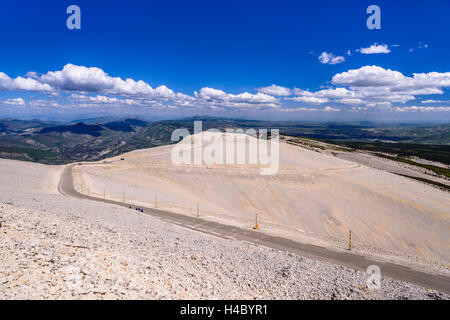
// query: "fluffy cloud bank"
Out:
[92,80]
[357,89]
[221,98]
[80,78]
[22,84]
[373,86]
[422,109]
[376,82]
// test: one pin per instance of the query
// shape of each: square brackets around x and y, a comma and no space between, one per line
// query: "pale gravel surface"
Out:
[73,249]
[54,247]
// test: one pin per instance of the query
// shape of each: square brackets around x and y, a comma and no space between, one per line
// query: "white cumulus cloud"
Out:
[309,99]
[331,109]
[375,48]
[274,90]
[15,102]
[435,101]
[330,58]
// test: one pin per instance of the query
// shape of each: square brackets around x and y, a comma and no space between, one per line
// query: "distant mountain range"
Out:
[56,143]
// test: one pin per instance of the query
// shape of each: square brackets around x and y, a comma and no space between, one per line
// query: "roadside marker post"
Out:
[256,222]
[350,240]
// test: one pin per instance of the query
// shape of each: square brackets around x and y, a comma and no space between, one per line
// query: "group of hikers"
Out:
[137,209]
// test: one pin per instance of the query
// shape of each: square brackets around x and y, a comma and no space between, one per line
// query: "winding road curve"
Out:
[347,259]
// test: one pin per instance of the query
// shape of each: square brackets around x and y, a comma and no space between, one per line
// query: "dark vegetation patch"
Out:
[119,126]
[438,170]
[24,153]
[434,183]
[78,128]
[438,153]
[136,122]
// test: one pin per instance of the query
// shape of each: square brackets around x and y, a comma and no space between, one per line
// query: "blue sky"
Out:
[222,58]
